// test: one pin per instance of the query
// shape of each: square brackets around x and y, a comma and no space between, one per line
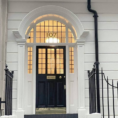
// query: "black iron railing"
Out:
[109,86]
[92,91]
[93,94]
[8,92]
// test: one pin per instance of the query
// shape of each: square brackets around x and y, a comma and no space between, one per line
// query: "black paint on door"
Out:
[50,92]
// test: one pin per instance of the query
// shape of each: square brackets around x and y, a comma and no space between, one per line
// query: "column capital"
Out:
[80,42]
[21,41]
[82,39]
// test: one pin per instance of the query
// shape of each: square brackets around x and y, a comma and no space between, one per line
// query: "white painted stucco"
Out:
[18,11]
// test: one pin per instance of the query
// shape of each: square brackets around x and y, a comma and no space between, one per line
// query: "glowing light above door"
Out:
[52,40]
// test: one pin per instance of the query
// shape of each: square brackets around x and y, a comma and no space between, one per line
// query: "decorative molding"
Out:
[82,38]
[81,79]
[21,77]
[50,9]
[17,34]
[71,17]
[20,83]
[21,40]
[84,34]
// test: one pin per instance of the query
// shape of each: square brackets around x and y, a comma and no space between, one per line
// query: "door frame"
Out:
[82,36]
[34,71]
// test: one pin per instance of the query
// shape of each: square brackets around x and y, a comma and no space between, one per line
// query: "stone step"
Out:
[52,116]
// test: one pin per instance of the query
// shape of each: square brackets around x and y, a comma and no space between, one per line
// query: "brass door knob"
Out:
[64,76]
[60,77]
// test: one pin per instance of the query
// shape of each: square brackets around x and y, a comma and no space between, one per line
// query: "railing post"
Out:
[8,92]
[92,91]
[102,93]
[89,92]
[0,108]
[6,71]
[117,90]
[108,98]
[0,103]
[113,98]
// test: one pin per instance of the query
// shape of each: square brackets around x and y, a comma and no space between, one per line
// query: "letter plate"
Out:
[51,77]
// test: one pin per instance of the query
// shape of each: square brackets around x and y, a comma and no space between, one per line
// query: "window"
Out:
[50,31]
[70,37]
[41,61]
[59,61]
[71,55]
[31,35]
[29,60]
[51,61]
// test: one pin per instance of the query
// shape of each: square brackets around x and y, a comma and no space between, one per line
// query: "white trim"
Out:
[21,60]
[21,79]
[50,9]
[51,44]
[68,25]
[81,36]
[34,76]
[67,80]
[81,82]
[34,79]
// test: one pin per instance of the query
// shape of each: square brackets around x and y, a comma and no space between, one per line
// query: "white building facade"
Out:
[35,33]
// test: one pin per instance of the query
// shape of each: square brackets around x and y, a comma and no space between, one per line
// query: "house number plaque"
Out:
[51,34]
[51,77]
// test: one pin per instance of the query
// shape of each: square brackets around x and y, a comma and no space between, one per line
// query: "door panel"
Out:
[60,94]
[50,77]
[41,90]
[51,93]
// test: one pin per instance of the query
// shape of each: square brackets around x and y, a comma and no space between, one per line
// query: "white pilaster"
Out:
[67,80]
[20,83]
[81,80]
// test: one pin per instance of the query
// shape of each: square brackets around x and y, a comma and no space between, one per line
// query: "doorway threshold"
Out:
[54,110]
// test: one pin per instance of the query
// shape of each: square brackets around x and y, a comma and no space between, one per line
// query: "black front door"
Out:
[50,77]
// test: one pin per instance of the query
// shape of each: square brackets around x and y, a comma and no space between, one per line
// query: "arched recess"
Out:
[21,39]
[72,18]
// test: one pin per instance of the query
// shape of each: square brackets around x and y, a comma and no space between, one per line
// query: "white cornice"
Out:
[19,38]
[83,38]
[17,34]
[50,9]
